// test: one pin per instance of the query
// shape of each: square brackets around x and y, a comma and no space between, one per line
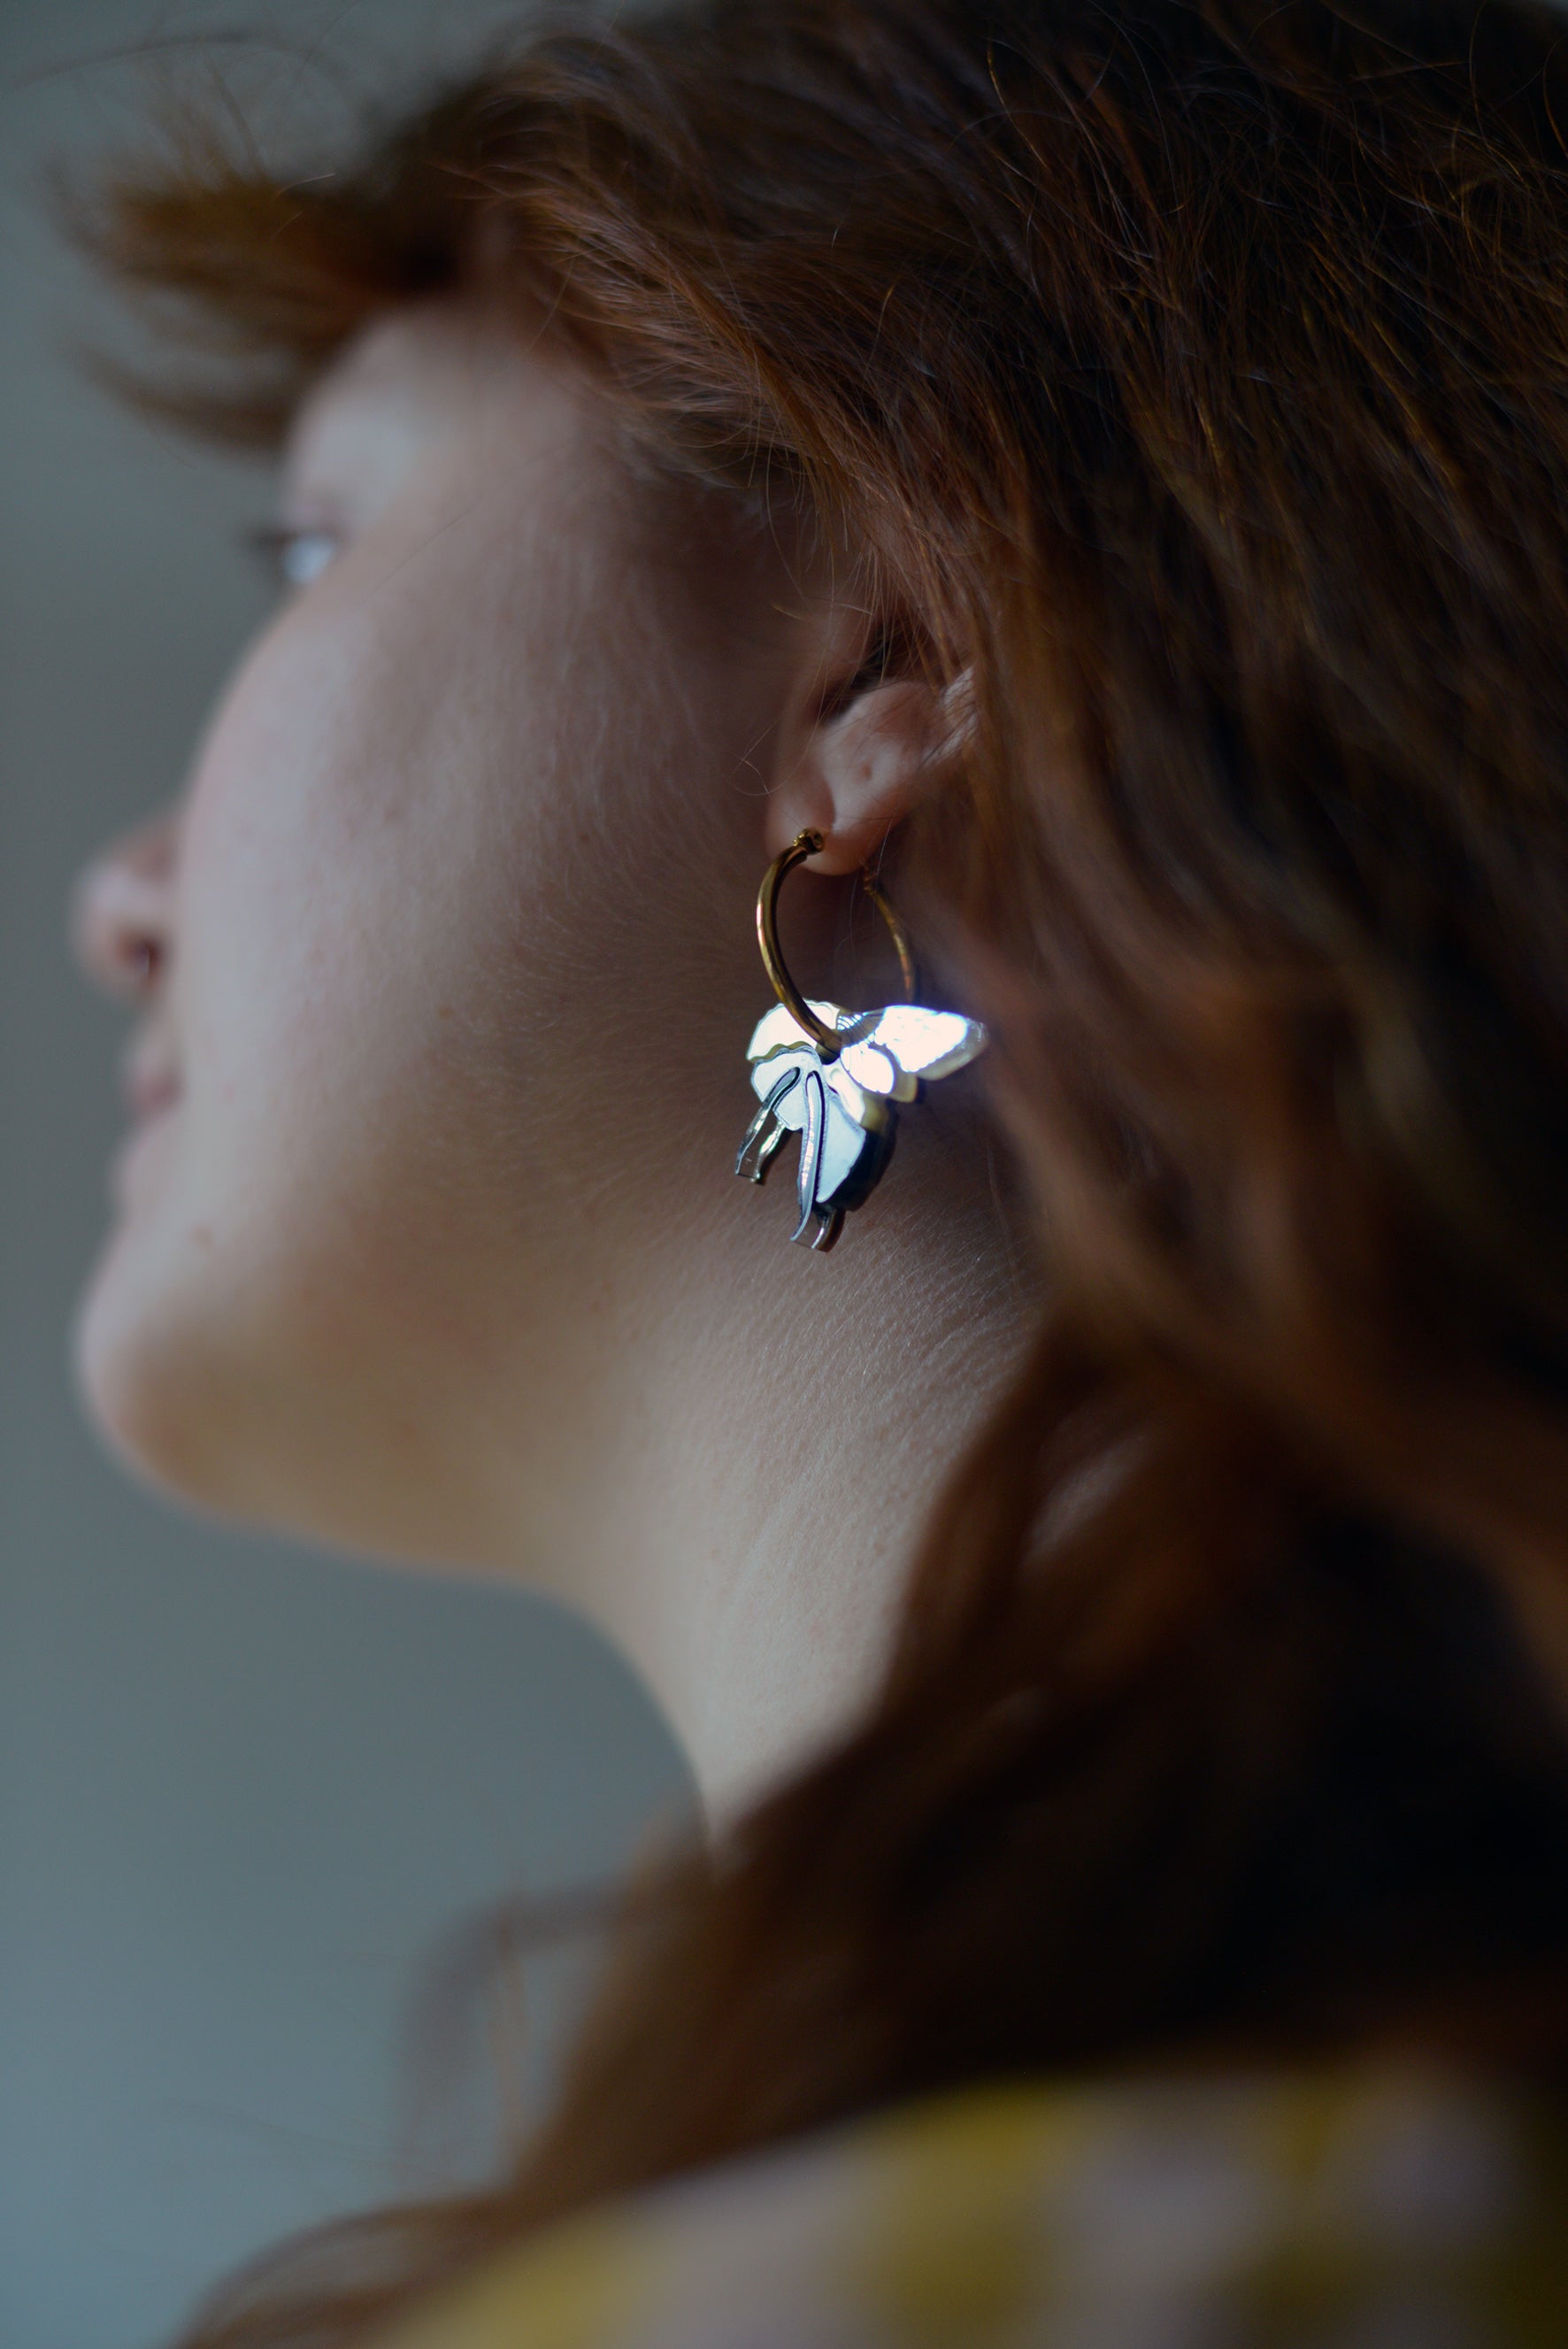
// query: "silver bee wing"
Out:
[888,1051]
[779,1031]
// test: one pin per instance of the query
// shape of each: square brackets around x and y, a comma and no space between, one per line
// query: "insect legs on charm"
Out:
[766,1135]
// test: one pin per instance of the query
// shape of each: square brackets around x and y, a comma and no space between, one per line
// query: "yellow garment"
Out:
[1370,2211]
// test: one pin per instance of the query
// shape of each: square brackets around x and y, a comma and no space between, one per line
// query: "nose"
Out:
[122,908]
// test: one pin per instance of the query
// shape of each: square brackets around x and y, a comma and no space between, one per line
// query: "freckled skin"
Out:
[438,1254]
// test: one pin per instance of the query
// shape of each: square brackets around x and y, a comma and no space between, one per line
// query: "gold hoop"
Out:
[805,844]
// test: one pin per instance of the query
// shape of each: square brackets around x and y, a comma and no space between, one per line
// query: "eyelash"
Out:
[293,557]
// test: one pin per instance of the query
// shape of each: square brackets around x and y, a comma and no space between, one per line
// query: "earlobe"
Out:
[863,769]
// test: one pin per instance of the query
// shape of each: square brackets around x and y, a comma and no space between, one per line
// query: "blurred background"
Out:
[246,1794]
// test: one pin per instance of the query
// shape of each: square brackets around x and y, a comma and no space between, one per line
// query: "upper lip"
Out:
[148,1076]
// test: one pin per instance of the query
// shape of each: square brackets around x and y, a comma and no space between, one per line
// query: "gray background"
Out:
[244,1791]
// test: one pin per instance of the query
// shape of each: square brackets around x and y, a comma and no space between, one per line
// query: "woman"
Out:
[1102,477]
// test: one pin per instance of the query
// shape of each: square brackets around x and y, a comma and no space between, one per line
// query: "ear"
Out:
[864,759]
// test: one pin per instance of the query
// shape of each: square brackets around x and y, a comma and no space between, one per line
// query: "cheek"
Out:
[297,1224]
[303,945]
[451,970]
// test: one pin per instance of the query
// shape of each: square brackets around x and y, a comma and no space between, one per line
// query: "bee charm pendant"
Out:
[843,1104]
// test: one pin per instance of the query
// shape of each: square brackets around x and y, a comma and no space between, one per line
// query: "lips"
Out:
[150,1079]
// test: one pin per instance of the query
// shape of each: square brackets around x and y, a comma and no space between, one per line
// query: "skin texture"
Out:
[426,1244]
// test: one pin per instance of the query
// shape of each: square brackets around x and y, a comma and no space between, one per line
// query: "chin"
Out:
[139,1381]
[209,1391]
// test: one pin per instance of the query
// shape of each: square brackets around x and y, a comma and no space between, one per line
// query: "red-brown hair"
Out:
[1195,372]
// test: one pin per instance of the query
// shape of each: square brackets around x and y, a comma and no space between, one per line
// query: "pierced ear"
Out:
[866,763]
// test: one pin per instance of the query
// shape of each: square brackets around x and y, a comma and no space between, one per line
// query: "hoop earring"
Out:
[837,1078]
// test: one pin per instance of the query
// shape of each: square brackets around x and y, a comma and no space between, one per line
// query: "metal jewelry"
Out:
[837,1078]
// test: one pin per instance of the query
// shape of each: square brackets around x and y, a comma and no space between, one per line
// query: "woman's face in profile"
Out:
[443,954]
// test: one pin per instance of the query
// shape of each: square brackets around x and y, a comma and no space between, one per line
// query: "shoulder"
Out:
[1392,2205]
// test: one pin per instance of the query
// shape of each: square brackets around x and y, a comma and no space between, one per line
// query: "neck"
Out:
[754,1483]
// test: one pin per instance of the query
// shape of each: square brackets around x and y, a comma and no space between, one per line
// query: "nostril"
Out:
[120,928]
[121,909]
[144,960]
